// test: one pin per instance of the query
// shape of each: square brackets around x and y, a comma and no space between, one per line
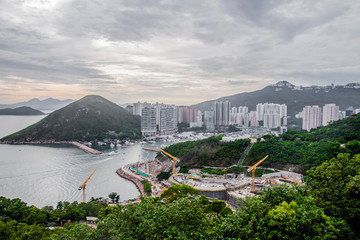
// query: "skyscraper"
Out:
[311,117]
[148,121]
[168,119]
[274,115]
[209,119]
[222,113]
[330,113]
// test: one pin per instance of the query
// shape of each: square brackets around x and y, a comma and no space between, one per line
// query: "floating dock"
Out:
[85,148]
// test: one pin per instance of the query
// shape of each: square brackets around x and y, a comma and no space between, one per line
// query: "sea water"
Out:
[46,174]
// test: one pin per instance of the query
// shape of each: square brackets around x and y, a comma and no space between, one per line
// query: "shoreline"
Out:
[124,174]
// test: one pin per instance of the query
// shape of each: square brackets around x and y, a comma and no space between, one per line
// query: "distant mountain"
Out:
[20,111]
[295,97]
[49,104]
[92,117]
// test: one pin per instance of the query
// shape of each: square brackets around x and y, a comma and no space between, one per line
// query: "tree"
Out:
[150,219]
[178,191]
[114,197]
[335,186]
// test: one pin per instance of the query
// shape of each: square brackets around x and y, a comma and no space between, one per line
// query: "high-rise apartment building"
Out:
[187,114]
[253,122]
[274,115]
[311,117]
[148,121]
[222,113]
[209,120]
[330,113]
[168,119]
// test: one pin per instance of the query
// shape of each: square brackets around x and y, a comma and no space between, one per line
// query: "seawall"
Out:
[85,148]
[124,174]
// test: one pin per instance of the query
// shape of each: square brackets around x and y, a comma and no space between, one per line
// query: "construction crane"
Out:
[173,158]
[83,186]
[252,169]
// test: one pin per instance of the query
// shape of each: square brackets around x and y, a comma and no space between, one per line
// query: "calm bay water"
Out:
[44,175]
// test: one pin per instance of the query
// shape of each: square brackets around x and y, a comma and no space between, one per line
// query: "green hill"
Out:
[295,150]
[208,152]
[20,111]
[301,150]
[92,117]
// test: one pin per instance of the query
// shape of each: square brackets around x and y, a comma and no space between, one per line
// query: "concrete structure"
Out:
[273,115]
[311,117]
[330,114]
[168,119]
[209,120]
[148,121]
[222,113]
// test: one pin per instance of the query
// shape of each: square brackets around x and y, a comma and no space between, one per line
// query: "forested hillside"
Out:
[208,152]
[300,150]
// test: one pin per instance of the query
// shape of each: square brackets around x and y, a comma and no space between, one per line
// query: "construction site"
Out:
[230,187]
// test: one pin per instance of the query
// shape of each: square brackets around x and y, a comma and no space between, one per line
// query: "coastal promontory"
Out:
[92,117]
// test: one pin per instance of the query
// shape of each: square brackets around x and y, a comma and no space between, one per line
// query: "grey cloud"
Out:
[156,46]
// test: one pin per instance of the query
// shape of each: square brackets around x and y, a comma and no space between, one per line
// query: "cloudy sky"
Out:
[179,52]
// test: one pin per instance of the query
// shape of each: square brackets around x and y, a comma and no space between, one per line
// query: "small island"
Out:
[21,111]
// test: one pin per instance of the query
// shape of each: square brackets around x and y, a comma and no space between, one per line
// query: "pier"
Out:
[152,149]
[85,148]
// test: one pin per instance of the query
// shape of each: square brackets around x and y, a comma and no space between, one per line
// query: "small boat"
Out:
[112,145]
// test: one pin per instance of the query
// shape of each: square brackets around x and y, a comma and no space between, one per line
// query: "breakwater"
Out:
[125,172]
[85,148]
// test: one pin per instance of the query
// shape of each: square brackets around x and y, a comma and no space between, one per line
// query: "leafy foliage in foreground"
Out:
[336,187]
[208,152]
[326,208]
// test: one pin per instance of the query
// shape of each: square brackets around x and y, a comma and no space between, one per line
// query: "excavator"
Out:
[173,158]
[83,186]
[252,169]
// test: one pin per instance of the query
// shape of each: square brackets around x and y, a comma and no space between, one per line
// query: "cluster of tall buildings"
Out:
[315,116]
[162,118]
[269,115]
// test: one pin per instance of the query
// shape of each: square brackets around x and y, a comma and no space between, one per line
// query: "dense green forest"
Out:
[208,152]
[301,150]
[327,207]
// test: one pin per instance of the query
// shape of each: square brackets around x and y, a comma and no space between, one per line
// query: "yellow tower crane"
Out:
[252,169]
[83,186]
[173,158]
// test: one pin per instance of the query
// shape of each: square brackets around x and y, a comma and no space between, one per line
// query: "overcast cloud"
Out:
[180,52]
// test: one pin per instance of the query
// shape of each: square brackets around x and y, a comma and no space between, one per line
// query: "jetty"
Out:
[152,149]
[85,148]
